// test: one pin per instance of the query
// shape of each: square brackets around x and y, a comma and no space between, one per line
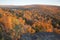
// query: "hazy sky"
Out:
[29,2]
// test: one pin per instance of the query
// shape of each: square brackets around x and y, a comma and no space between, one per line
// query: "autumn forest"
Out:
[30,22]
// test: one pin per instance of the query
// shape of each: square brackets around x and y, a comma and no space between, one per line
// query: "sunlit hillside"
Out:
[30,22]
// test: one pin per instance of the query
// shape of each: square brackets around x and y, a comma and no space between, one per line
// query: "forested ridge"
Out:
[17,22]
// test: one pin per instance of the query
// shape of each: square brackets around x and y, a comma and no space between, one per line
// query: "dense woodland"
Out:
[15,22]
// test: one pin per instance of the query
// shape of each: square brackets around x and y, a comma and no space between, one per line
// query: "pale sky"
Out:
[29,2]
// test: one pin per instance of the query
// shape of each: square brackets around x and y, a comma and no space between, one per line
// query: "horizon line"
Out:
[29,4]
